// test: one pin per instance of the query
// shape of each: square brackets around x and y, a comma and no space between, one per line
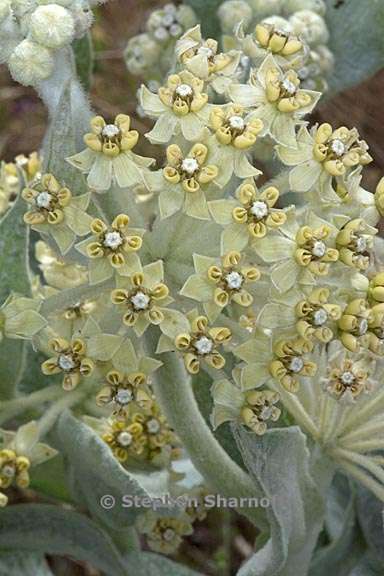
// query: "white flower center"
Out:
[259,209]
[204,345]
[265,413]
[123,396]
[234,280]
[167,20]
[320,317]
[161,33]
[66,362]
[337,147]
[153,426]
[110,131]
[205,51]
[236,122]
[113,240]
[296,364]
[319,249]
[43,200]
[140,300]
[363,326]
[168,534]
[184,90]
[347,378]
[124,438]
[361,244]
[8,471]
[190,165]
[175,30]
[288,86]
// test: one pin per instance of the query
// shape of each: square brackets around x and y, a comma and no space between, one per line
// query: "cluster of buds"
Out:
[35,31]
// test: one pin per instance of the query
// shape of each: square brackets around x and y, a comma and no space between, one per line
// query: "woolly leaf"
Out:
[47,529]
[356,40]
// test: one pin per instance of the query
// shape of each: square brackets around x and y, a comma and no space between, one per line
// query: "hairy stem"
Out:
[174,393]
[13,408]
[51,415]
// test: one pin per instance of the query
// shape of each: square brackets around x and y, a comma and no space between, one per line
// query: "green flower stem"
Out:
[364,479]
[49,418]
[366,411]
[370,430]
[362,461]
[13,408]
[364,445]
[297,410]
[174,393]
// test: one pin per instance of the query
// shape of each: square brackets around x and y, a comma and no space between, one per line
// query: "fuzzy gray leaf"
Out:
[50,530]
[280,464]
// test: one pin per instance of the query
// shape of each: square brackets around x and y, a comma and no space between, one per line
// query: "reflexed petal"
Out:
[195,205]
[164,129]
[100,175]
[170,201]
[285,275]
[247,95]
[191,127]
[99,270]
[197,288]
[221,210]
[274,248]
[151,103]
[234,237]
[275,315]
[83,161]
[304,176]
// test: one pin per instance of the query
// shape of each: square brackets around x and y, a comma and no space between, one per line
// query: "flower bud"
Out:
[318,6]
[310,27]
[232,12]
[52,26]
[30,63]
[261,8]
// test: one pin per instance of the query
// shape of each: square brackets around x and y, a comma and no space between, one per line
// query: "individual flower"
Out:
[108,157]
[30,166]
[201,58]
[277,99]
[9,185]
[143,297]
[355,242]
[57,273]
[354,325]
[301,252]
[56,212]
[180,106]
[310,27]
[347,379]
[249,217]
[288,50]
[252,408]
[201,344]
[140,54]
[313,317]
[323,157]
[290,362]
[19,452]
[70,359]
[164,534]
[20,318]
[235,132]
[144,435]
[218,282]
[120,390]
[232,12]
[125,438]
[111,248]
[183,182]
[375,288]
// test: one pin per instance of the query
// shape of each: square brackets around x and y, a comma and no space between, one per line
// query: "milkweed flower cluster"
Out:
[276,308]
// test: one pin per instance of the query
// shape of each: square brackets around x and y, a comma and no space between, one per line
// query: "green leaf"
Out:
[14,252]
[49,479]
[346,545]
[98,473]
[149,564]
[356,40]
[83,50]
[280,464]
[25,564]
[370,515]
[47,529]
[207,16]
[60,142]
[14,277]
[201,388]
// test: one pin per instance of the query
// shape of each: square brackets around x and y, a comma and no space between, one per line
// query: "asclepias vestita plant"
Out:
[175,330]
